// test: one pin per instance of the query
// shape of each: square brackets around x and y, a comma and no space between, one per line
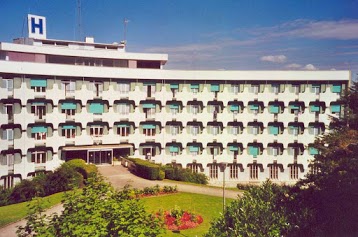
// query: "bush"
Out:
[81,167]
[186,175]
[147,170]
[63,179]
[25,191]
[5,196]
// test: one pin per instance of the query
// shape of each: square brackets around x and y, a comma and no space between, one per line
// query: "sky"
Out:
[207,34]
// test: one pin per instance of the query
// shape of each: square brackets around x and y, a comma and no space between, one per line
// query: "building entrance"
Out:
[99,157]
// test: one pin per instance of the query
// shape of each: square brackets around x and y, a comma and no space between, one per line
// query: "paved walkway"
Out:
[119,176]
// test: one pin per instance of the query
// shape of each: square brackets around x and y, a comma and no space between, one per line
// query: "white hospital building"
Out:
[68,99]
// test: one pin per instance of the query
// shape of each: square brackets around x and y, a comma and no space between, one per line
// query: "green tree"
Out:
[98,210]
[326,202]
[329,197]
[257,213]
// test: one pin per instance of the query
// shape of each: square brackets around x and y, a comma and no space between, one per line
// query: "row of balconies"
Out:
[123,86]
[40,131]
[40,107]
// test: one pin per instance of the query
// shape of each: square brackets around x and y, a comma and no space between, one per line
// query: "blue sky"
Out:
[210,34]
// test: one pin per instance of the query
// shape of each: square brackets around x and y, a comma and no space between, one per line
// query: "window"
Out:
[235,89]
[39,133]
[194,150]
[194,88]
[174,109]
[38,157]
[234,130]
[294,130]
[123,88]
[194,168]
[174,150]
[194,109]
[316,88]
[96,131]
[8,159]
[149,87]
[97,88]
[8,134]
[275,88]
[69,131]
[194,130]
[274,129]
[234,171]
[234,150]
[254,172]
[150,112]
[215,150]
[69,87]
[294,172]
[69,109]
[215,130]
[255,130]
[174,130]
[38,85]
[255,89]
[123,131]
[96,108]
[8,84]
[9,110]
[123,109]
[39,110]
[213,171]
[149,129]
[254,150]
[7,181]
[274,171]
[275,151]
[69,112]
[296,89]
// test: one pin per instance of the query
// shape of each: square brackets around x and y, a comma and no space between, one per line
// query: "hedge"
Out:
[186,175]
[147,170]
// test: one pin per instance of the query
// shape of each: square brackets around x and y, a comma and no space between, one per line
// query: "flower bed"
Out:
[178,219]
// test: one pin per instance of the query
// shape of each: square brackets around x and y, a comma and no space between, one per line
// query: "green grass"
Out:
[200,185]
[208,207]
[15,212]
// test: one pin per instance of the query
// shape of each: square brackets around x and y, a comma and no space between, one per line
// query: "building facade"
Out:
[65,99]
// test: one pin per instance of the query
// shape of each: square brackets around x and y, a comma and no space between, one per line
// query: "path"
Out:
[119,176]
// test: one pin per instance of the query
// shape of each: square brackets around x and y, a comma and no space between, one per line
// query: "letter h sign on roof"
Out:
[36,26]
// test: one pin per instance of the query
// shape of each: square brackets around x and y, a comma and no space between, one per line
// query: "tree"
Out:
[98,210]
[329,197]
[257,213]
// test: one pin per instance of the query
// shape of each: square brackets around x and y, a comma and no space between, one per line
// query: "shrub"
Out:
[5,196]
[186,175]
[81,167]
[63,179]
[147,170]
[25,191]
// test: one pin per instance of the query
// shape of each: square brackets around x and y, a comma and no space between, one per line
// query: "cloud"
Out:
[309,67]
[294,66]
[274,58]
[303,28]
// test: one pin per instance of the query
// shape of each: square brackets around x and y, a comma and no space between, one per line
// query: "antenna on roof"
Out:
[79,20]
[125,22]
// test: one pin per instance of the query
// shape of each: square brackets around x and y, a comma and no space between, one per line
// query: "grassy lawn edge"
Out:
[16,212]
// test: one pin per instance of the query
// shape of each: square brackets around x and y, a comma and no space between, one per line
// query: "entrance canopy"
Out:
[96,147]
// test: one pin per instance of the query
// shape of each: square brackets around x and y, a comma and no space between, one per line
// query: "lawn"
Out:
[208,207]
[15,212]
